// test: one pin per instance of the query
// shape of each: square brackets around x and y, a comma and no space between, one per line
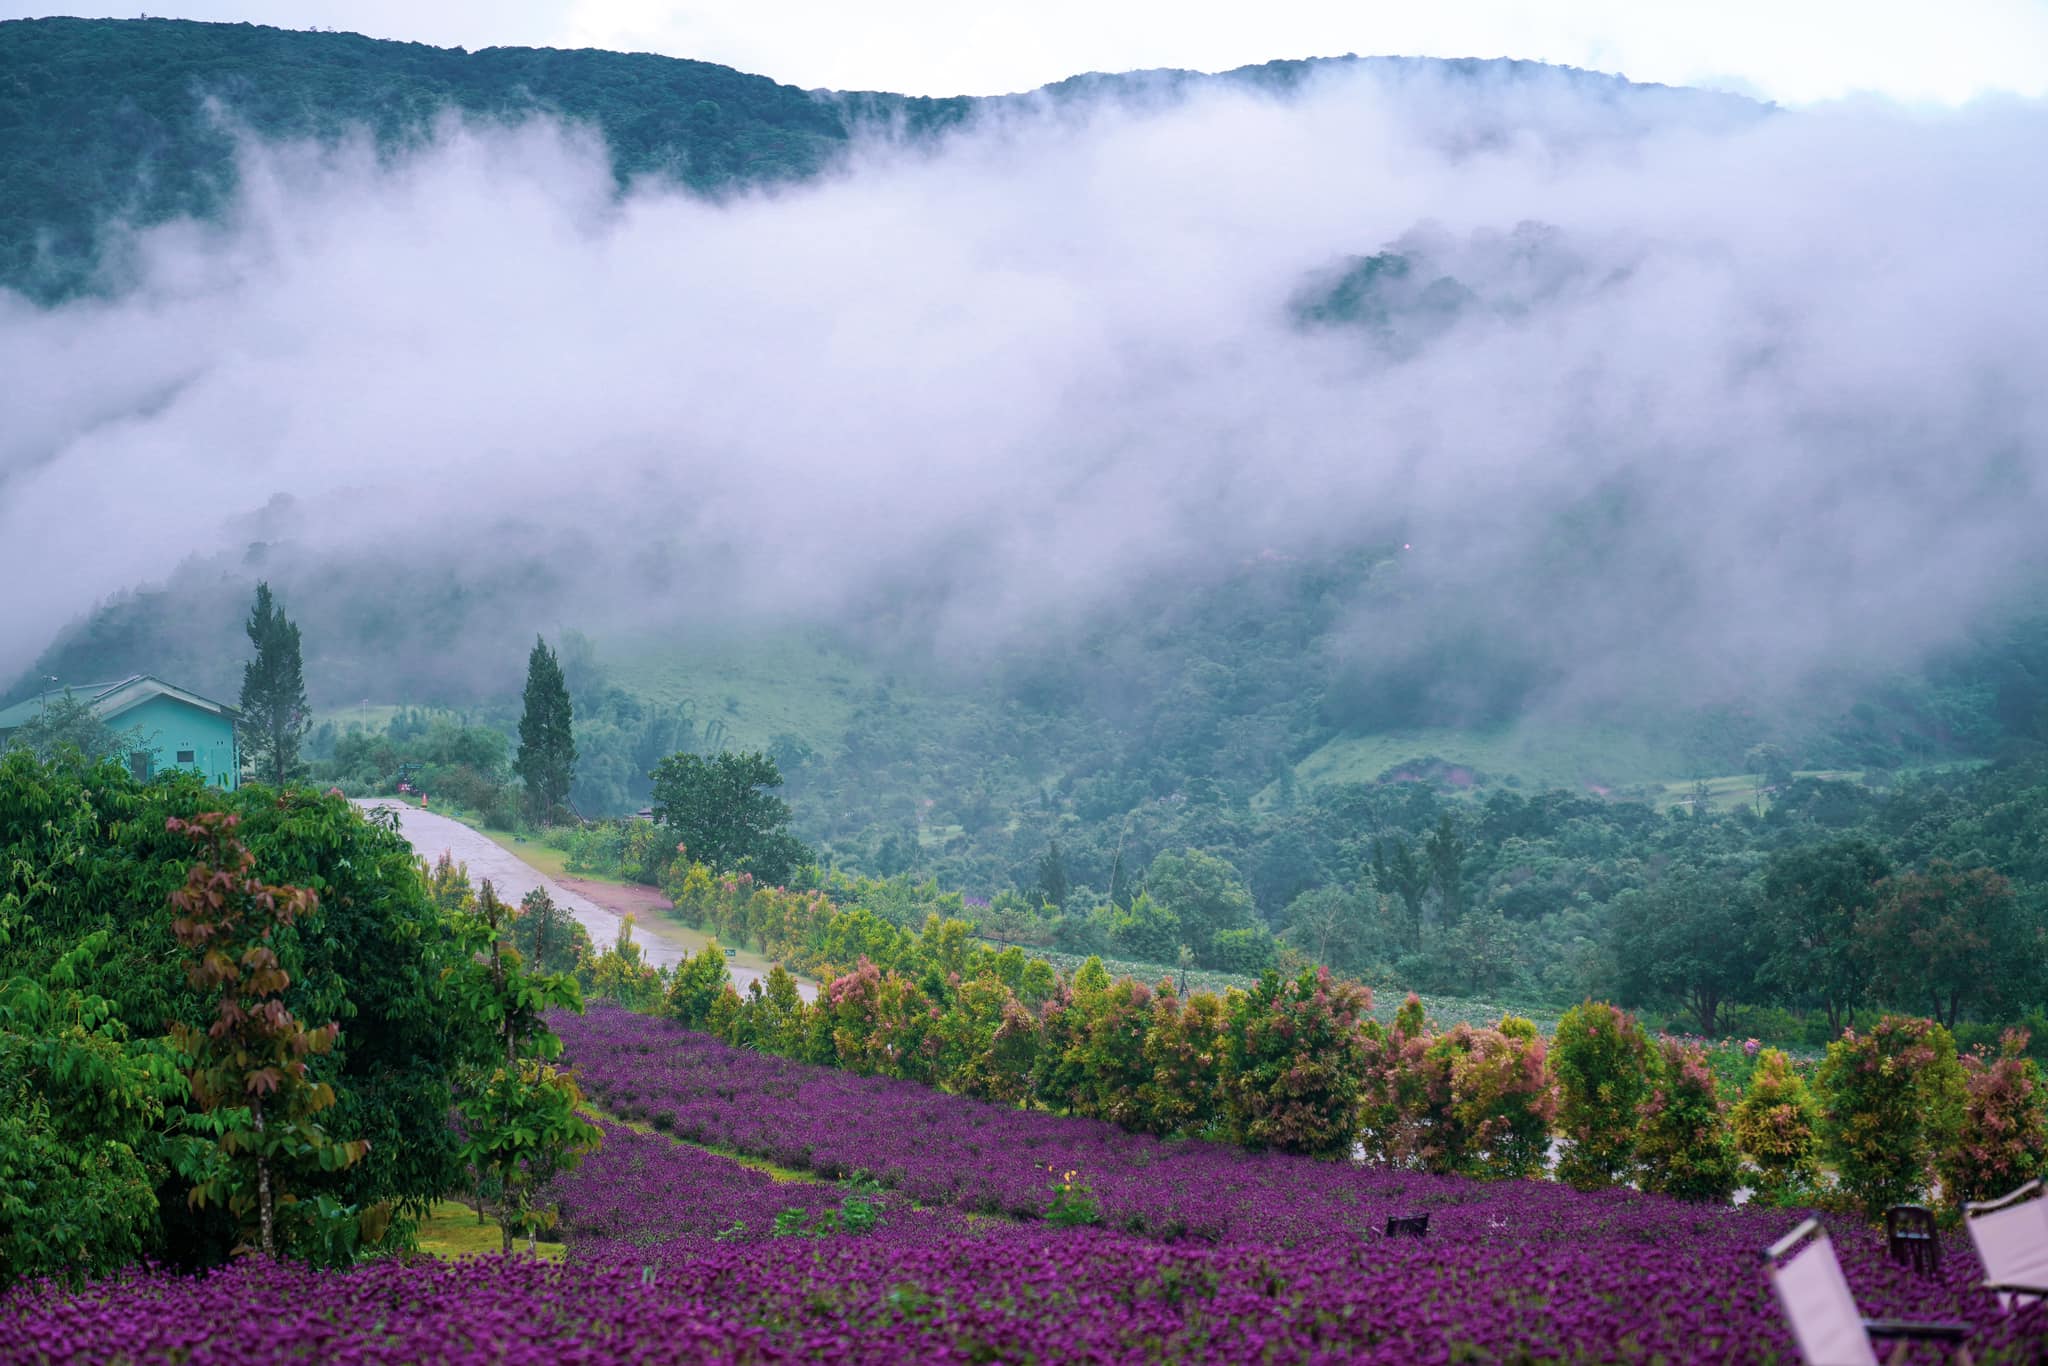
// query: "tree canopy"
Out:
[547,739]
[725,814]
[275,716]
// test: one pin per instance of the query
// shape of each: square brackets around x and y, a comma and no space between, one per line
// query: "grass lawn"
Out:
[1739,789]
[529,849]
[1578,757]
[373,717]
[452,1231]
[755,688]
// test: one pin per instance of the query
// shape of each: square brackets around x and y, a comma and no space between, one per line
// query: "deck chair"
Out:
[1821,1308]
[2011,1238]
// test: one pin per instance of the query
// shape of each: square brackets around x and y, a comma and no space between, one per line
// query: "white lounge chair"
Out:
[1821,1308]
[2011,1237]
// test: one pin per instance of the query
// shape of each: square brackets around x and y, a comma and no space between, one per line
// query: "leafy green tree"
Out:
[546,762]
[1951,936]
[725,814]
[987,1042]
[80,848]
[1145,930]
[1060,1075]
[447,883]
[548,937]
[519,1115]
[275,716]
[82,1112]
[621,973]
[68,723]
[1052,876]
[248,1068]
[881,1023]
[1332,926]
[776,1017]
[1819,901]
[1692,936]
[1182,1092]
[1114,1066]
[1396,869]
[1776,1126]
[1246,950]
[1686,1147]
[1394,1092]
[1445,850]
[1488,1101]
[1770,765]
[1205,895]
[1602,1061]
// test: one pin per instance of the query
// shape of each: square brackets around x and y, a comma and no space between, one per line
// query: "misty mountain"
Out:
[109,125]
[1147,435]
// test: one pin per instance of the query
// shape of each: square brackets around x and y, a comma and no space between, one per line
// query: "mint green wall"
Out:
[169,726]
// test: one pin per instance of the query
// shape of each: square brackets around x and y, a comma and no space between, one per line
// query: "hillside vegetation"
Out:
[111,123]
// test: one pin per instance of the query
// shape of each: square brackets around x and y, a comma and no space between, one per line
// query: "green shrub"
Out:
[1394,1088]
[1490,1101]
[1776,1128]
[695,985]
[1293,1061]
[1601,1059]
[2002,1140]
[1891,1098]
[1073,1199]
[1244,950]
[1686,1148]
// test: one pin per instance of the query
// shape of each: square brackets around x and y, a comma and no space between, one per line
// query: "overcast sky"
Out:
[1793,51]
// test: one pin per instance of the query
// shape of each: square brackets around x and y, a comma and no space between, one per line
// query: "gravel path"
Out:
[431,833]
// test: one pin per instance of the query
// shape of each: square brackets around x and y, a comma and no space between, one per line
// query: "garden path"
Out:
[430,833]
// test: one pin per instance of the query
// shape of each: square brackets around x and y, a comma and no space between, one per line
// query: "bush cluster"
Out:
[1297,1064]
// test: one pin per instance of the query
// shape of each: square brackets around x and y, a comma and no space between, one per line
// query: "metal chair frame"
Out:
[1910,1238]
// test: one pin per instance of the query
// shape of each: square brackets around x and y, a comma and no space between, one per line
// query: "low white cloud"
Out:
[1760,394]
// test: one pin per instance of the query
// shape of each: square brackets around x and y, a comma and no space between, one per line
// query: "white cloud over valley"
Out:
[1753,396]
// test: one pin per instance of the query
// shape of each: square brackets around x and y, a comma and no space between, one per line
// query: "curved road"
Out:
[431,833]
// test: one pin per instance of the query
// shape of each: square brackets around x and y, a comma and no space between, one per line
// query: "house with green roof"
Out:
[162,726]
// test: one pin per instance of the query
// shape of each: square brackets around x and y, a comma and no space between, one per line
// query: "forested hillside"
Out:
[118,120]
[109,123]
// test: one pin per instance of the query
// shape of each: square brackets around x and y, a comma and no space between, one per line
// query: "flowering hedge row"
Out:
[1299,1065]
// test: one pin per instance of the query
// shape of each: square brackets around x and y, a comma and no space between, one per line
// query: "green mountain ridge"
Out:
[114,124]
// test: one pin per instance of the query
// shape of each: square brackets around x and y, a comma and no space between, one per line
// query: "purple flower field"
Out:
[942,1149]
[642,1188]
[1029,1294]
[1210,1254]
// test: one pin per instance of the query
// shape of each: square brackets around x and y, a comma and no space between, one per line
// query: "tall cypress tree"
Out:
[547,746]
[274,712]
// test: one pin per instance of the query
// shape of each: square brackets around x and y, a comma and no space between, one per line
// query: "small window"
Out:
[141,765]
[184,756]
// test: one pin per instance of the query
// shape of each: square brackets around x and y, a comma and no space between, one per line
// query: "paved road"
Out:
[431,833]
